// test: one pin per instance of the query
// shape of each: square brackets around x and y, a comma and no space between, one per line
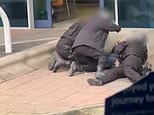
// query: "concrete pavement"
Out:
[44,93]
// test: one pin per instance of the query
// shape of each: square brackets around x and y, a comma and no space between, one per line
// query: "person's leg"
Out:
[62,59]
[133,68]
[82,63]
[101,65]
[58,62]
[63,52]
[110,61]
[109,76]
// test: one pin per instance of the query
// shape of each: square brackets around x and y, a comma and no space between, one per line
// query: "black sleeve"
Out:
[109,26]
[118,49]
[73,29]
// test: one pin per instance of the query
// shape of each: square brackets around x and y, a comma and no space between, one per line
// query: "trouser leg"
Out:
[109,76]
[102,60]
[112,74]
[91,58]
[88,64]
[63,52]
[133,68]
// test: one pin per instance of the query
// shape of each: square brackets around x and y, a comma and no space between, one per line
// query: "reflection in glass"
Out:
[110,5]
[40,10]
[16,11]
[136,13]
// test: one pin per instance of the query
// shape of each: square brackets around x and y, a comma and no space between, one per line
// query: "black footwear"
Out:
[100,72]
[95,82]
[57,63]
[51,64]
[73,68]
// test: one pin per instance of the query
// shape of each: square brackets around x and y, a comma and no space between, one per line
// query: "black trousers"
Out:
[90,58]
[131,67]
[64,51]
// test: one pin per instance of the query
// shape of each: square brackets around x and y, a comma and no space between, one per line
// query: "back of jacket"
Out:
[134,47]
[67,39]
[95,32]
[137,49]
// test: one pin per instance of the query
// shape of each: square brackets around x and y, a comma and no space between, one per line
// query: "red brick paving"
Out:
[43,92]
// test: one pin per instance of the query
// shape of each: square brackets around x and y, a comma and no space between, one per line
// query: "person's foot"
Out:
[95,82]
[73,68]
[51,64]
[57,63]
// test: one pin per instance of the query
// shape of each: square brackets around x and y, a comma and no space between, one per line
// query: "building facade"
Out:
[42,13]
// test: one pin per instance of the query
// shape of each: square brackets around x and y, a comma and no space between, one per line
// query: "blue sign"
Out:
[135,100]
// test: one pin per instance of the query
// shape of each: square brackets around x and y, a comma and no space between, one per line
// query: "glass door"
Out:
[16,11]
[42,13]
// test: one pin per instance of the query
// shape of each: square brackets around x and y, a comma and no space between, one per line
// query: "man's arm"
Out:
[109,26]
[72,30]
[120,47]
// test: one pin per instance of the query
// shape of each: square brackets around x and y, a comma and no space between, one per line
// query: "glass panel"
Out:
[16,11]
[136,13]
[40,10]
[109,4]
[75,8]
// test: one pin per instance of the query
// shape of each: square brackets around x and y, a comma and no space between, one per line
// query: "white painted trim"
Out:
[17,27]
[30,41]
[116,12]
[7,32]
[30,12]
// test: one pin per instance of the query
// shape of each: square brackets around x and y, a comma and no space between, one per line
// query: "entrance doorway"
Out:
[70,9]
[42,13]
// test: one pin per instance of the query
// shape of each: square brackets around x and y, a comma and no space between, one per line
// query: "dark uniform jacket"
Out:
[94,33]
[66,41]
[134,47]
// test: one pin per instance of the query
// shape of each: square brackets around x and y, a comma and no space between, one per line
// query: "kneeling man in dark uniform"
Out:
[64,47]
[88,47]
[132,55]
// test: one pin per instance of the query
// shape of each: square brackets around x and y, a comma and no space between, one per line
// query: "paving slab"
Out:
[43,92]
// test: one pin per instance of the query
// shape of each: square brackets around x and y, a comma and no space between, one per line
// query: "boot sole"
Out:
[92,82]
[51,64]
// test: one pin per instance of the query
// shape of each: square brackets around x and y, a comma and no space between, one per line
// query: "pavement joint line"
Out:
[61,98]
[35,87]
[67,96]
[27,41]
[21,84]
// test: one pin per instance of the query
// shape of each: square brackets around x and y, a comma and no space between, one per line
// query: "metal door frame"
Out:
[116,9]
[45,23]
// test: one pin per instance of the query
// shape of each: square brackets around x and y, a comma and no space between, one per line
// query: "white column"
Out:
[7,32]
[101,3]
[116,12]
[30,10]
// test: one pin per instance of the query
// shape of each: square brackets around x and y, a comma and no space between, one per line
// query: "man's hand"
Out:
[118,29]
[120,41]
[117,63]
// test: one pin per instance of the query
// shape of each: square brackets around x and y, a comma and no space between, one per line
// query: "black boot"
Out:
[51,64]
[95,82]
[100,72]
[74,68]
[57,63]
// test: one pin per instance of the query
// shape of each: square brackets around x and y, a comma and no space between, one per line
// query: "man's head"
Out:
[140,37]
[105,14]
